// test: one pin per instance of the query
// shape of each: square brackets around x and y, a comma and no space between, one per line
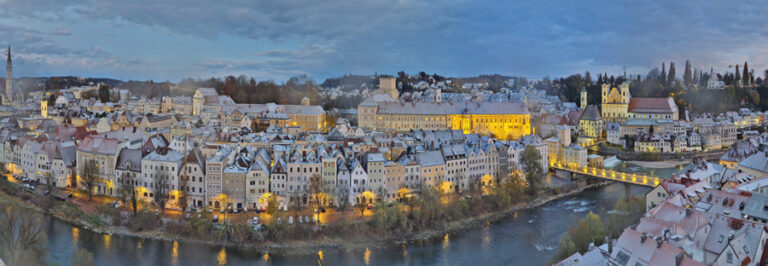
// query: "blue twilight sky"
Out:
[173,39]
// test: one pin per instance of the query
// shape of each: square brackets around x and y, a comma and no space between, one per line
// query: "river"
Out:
[527,237]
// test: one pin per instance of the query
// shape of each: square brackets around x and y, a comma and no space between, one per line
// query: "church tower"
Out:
[388,85]
[8,78]
[583,98]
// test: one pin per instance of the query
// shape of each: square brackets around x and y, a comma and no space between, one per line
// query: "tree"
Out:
[587,79]
[51,99]
[22,237]
[746,74]
[672,74]
[161,190]
[687,74]
[272,205]
[183,190]
[530,159]
[81,257]
[317,189]
[342,198]
[296,205]
[565,248]
[515,185]
[663,74]
[90,176]
[361,204]
[128,188]
[104,93]
[737,77]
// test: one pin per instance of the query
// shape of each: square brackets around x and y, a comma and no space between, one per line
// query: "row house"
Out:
[160,175]
[102,151]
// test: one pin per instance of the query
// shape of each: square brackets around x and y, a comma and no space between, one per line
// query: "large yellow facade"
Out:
[501,126]
[615,102]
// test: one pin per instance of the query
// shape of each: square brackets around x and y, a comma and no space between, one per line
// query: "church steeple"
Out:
[8,78]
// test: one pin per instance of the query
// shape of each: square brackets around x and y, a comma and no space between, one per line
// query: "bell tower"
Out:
[8,78]
[583,98]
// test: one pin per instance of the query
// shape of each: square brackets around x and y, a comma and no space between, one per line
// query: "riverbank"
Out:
[312,246]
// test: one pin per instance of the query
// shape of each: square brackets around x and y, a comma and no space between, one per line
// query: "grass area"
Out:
[11,192]
[70,210]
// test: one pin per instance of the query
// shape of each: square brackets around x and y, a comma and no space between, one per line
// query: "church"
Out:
[8,95]
[618,105]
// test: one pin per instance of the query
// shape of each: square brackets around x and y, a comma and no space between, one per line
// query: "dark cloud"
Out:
[455,37]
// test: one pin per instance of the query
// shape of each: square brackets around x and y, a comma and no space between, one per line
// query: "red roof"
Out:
[651,105]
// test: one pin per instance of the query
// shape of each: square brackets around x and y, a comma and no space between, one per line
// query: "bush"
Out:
[145,220]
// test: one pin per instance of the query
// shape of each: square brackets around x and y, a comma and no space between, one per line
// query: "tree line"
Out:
[244,89]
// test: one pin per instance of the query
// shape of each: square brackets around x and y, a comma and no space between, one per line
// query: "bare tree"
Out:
[22,237]
[342,198]
[361,205]
[90,176]
[296,204]
[317,190]
[272,204]
[128,188]
[183,192]
[161,190]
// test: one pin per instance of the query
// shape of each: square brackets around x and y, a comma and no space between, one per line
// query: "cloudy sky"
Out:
[173,39]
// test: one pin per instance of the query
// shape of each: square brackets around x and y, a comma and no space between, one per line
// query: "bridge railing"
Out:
[633,178]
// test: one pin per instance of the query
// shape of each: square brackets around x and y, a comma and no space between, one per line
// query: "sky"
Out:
[274,40]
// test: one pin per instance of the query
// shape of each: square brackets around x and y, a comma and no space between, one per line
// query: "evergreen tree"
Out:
[687,74]
[672,77]
[104,93]
[663,75]
[587,78]
[737,77]
[696,76]
[745,76]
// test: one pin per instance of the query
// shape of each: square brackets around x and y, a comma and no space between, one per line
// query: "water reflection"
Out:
[75,235]
[320,257]
[107,241]
[487,235]
[175,253]
[446,242]
[367,256]
[222,257]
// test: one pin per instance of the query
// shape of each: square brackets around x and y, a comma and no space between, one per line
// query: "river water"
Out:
[527,237]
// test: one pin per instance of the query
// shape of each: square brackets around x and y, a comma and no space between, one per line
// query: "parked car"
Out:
[255,220]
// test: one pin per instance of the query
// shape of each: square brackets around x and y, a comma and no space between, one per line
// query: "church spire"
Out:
[9,54]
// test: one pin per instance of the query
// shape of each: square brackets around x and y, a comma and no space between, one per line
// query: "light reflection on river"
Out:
[525,238]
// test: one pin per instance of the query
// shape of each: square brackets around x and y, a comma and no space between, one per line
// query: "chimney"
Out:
[730,236]
[658,242]
[643,237]
[687,212]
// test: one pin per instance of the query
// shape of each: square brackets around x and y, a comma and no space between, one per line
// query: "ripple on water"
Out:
[581,209]
[541,247]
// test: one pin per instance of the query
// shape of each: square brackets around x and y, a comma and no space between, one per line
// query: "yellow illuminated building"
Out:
[383,111]
[501,120]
